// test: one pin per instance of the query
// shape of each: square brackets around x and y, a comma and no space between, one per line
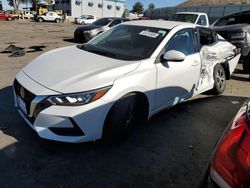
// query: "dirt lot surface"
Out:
[171,150]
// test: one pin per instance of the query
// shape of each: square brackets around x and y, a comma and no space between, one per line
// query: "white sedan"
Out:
[120,78]
[85,19]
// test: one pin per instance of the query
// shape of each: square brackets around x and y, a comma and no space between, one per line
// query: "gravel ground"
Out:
[171,150]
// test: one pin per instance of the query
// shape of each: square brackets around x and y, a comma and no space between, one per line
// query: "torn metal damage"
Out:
[211,55]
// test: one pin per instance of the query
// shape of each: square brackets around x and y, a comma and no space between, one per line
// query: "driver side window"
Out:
[183,41]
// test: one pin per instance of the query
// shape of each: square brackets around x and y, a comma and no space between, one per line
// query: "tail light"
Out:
[230,166]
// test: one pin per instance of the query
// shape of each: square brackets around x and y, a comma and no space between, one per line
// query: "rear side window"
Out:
[202,20]
[207,37]
[182,41]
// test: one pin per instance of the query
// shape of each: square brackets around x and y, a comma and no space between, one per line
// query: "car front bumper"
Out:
[61,123]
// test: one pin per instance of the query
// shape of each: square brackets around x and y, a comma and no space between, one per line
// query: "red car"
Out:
[6,16]
[230,165]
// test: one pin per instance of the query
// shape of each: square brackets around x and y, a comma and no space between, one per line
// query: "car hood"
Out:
[89,27]
[70,69]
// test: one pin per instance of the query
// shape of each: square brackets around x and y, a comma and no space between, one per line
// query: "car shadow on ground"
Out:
[171,150]
[72,40]
[239,78]
[36,49]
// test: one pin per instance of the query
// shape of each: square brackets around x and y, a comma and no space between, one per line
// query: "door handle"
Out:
[195,63]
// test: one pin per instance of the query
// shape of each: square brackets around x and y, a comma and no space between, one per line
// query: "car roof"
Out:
[158,23]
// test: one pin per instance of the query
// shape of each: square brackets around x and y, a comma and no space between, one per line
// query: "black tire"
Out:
[57,20]
[9,18]
[82,23]
[246,64]
[120,120]
[219,79]
[40,20]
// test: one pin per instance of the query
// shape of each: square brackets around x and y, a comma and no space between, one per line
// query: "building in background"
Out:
[99,8]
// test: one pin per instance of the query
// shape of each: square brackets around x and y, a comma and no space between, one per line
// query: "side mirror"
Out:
[174,55]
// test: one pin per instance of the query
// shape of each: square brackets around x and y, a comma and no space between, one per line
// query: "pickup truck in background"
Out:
[235,28]
[198,18]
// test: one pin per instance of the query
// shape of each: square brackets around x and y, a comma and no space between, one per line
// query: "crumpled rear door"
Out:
[219,52]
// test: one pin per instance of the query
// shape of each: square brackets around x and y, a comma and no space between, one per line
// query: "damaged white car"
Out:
[103,88]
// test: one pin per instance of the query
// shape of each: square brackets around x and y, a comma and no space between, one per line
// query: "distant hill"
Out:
[191,3]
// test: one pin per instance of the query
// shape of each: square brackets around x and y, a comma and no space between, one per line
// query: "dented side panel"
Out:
[220,52]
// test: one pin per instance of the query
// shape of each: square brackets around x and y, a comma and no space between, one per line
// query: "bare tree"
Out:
[16,3]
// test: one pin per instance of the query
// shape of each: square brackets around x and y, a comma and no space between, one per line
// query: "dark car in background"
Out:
[86,33]
[230,164]
[235,28]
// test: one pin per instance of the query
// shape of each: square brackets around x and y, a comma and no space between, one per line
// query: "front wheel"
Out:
[120,120]
[40,20]
[83,23]
[57,20]
[9,18]
[219,79]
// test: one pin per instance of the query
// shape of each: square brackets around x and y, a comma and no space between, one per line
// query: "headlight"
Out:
[238,35]
[78,99]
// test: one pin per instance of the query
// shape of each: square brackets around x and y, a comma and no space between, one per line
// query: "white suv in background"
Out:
[49,17]
[85,19]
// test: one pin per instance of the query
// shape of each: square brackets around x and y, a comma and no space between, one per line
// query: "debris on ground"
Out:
[15,51]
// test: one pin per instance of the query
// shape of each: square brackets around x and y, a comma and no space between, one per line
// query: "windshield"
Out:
[83,16]
[190,18]
[127,42]
[103,21]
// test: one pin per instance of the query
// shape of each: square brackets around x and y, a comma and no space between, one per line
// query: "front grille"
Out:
[24,94]
[28,97]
